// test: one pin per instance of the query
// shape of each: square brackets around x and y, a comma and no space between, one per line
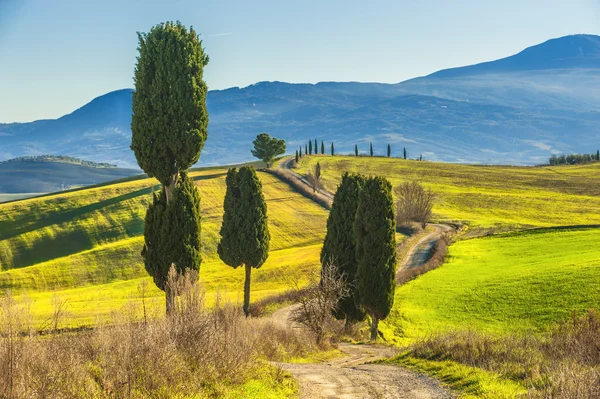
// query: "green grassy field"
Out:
[515,282]
[496,197]
[83,247]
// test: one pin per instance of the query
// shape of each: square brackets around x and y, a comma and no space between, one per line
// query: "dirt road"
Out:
[351,377]
[419,252]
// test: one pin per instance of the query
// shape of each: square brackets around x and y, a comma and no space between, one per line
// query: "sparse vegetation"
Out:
[574,159]
[414,203]
[314,178]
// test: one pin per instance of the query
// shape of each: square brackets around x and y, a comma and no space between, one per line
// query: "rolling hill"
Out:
[517,110]
[83,246]
[51,174]
[485,198]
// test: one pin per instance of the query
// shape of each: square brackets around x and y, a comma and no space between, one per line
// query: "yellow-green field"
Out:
[83,247]
[515,282]
[497,197]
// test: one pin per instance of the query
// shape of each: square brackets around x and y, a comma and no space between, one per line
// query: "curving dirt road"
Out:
[420,251]
[353,376]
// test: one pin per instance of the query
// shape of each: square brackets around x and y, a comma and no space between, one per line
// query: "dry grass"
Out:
[195,351]
[563,363]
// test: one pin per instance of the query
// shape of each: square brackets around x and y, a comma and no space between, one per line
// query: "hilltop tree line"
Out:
[574,159]
[310,149]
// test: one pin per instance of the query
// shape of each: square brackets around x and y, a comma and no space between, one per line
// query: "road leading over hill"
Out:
[354,376]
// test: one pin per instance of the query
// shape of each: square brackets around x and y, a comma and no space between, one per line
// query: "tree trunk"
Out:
[170,299]
[374,325]
[347,326]
[247,291]
[170,187]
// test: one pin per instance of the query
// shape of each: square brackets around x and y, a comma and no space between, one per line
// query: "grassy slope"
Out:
[84,246]
[28,176]
[485,196]
[507,283]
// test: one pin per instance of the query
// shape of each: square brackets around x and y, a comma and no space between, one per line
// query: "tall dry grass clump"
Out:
[563,363]
[196,351]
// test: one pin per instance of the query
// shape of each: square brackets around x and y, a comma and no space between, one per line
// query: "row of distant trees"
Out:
[574,159]
[309,150]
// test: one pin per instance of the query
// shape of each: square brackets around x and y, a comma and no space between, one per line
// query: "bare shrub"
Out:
[196,351]
[317,301]
[414,204]
[314,178]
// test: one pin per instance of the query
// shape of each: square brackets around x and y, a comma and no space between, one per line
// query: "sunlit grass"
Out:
[504,197]
[83,248]
[503,284]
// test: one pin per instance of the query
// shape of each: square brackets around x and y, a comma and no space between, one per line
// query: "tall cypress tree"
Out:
[300,150]
[172,234]
[332,150]
[305,149]
[340,245]
[389,151]
[356,149]
[597,155]
[244,232]
[375,229]
[310,147]
[169,127]
[371,149]
[404,152]
[322,147]
[296,156]
[316,148]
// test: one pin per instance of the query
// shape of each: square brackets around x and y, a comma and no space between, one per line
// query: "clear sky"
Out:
[57,55]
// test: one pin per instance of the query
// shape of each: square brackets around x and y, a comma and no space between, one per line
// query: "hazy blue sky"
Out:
[57,55]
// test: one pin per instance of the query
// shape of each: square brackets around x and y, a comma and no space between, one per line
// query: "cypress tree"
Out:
[244,231]
[300,150]
[305,149]
[169,127]
[332,150]
[404,152]
[371,149]
[597,155]
[375,229]
[172,234]
[296,156]
[340,245]
[310,147]
[322,147]
[356,149]
[389,151]
[421,157]
[316,148]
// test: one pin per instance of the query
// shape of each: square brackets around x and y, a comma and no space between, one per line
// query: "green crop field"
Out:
[496,197]
[523,281]
[83,247]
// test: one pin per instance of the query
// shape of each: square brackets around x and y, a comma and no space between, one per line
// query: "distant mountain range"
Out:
[517,110]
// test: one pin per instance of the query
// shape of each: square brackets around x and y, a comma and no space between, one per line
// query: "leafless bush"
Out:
[314,178]
[414,204]
[317,301]
[196,351]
